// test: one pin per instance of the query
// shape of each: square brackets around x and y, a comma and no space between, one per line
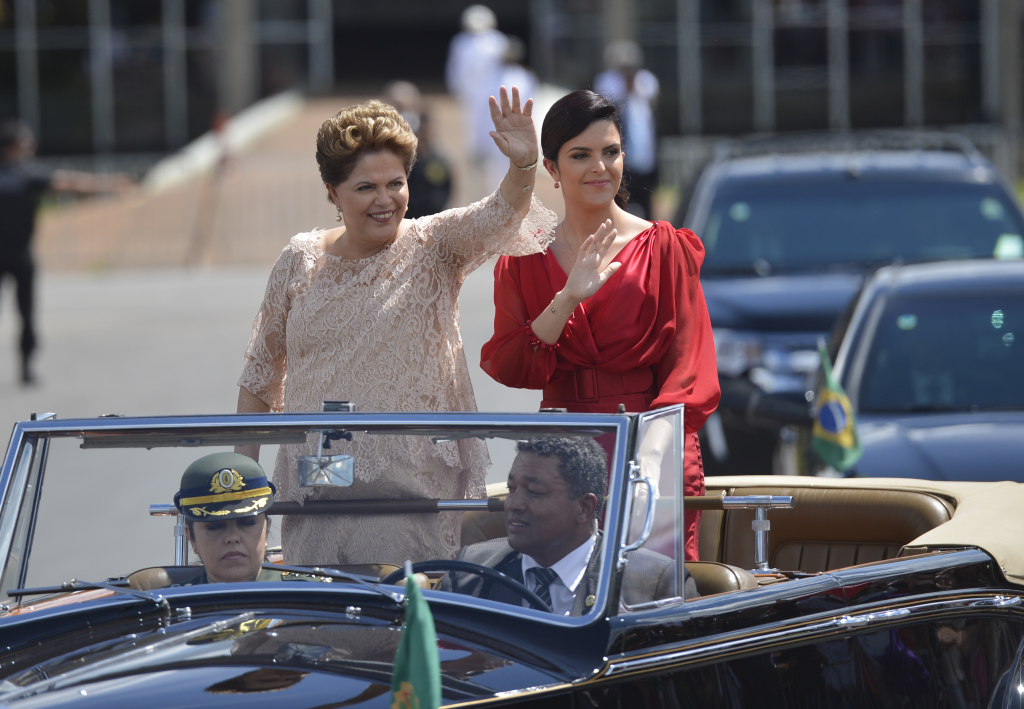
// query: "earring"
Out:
[556,185]
[339,217]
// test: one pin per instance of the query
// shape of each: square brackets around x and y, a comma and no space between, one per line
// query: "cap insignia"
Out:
[226,480]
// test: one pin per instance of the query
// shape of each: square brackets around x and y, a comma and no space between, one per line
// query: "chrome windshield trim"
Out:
[835,625]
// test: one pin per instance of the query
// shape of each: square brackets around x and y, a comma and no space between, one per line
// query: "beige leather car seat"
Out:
[828,528]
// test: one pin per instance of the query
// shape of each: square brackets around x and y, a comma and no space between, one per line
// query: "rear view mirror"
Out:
[324,469]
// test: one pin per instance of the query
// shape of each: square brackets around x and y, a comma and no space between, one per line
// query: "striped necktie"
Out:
[542,580]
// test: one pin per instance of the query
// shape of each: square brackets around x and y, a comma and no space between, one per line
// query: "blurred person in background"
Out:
[613,312]
[474,72]
[430,182]
[368,312]
[634,90]
[22,183]
[513,73]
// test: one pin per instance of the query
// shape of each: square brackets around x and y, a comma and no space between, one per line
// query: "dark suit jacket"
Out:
[648,576]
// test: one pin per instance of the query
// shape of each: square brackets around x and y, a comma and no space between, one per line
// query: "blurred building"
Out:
[130,76]
[741,66]
[116,76]
[124,76]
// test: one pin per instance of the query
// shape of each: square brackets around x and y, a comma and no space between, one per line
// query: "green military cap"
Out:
[224,486]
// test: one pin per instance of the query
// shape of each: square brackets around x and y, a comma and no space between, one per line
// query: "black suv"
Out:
[791,225]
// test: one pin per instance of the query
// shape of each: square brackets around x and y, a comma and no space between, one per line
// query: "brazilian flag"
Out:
[416,682]
[835,429]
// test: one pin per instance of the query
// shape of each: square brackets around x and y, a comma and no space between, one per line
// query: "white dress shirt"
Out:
[570,570]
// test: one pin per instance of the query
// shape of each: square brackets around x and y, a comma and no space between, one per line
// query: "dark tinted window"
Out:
[784,225]
[952,352]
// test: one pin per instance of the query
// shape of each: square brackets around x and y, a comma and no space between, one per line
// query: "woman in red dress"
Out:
[613,312]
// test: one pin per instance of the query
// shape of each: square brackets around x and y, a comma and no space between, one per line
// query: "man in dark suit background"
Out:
[556,489]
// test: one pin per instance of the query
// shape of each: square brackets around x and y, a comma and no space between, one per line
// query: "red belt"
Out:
[591,385]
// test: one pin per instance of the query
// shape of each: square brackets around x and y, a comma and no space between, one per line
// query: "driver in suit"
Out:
[556,488]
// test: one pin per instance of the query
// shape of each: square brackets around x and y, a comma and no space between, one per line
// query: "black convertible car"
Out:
[813,592]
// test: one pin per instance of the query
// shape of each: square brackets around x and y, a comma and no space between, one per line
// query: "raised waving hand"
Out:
[514,132]
[586,276]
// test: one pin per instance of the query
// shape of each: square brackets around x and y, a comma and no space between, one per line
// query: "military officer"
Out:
[224,498]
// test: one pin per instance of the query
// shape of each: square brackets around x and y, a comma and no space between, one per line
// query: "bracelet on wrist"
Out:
[528,167]
[551,307]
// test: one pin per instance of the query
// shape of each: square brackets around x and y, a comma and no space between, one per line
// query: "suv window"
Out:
[792,224]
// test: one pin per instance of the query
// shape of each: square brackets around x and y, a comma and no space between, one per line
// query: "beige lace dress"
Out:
[382,332]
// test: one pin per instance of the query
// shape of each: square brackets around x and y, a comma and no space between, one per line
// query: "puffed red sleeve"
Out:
[514,355]
[688,372]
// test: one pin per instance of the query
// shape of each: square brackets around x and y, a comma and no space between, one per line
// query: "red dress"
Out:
[643,340]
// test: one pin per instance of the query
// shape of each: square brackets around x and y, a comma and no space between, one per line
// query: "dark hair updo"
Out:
[570,116]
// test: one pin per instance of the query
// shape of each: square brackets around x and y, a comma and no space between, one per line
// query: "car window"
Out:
[94,520]
[758,226]
[950,352]
[659,459]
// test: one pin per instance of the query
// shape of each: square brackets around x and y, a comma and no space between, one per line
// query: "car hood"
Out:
[291,658]
[984,446]
[784,303]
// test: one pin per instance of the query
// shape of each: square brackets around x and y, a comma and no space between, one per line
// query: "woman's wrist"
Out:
[520,177]
[564,303]
[525,165]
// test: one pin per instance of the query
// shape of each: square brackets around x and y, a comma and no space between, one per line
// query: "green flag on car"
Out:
[835,429]
[416,682]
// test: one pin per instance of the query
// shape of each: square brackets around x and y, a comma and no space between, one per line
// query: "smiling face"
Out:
[541,518]
[373,200]
[589,166]
[232,549]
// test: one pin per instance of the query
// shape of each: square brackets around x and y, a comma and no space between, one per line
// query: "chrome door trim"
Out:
[750,638]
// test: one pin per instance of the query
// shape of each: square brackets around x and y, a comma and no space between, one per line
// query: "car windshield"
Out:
[950,352]
[91,530]
[757,226]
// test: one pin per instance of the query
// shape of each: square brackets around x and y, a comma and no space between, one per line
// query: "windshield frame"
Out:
[276,424]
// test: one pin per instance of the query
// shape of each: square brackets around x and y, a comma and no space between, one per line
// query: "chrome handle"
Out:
[645,533]
[761,502]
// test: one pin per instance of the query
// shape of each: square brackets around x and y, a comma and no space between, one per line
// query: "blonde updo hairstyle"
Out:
[351,133]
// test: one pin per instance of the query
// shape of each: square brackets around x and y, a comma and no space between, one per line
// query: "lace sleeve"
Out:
[466,237]
[266,361]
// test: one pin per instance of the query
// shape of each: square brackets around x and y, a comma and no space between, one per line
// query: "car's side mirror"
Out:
[743,398]
[780,408]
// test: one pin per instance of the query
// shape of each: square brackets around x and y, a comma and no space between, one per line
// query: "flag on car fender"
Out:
[416,682]
[835,428]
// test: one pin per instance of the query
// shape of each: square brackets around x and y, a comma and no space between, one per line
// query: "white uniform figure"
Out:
[634,91]
[513,73]
[474,72]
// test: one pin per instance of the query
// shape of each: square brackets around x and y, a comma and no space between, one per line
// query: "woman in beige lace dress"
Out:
[368,312]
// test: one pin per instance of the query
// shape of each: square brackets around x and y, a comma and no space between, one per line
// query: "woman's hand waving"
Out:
[514,132]
[585,279]
[586,276]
